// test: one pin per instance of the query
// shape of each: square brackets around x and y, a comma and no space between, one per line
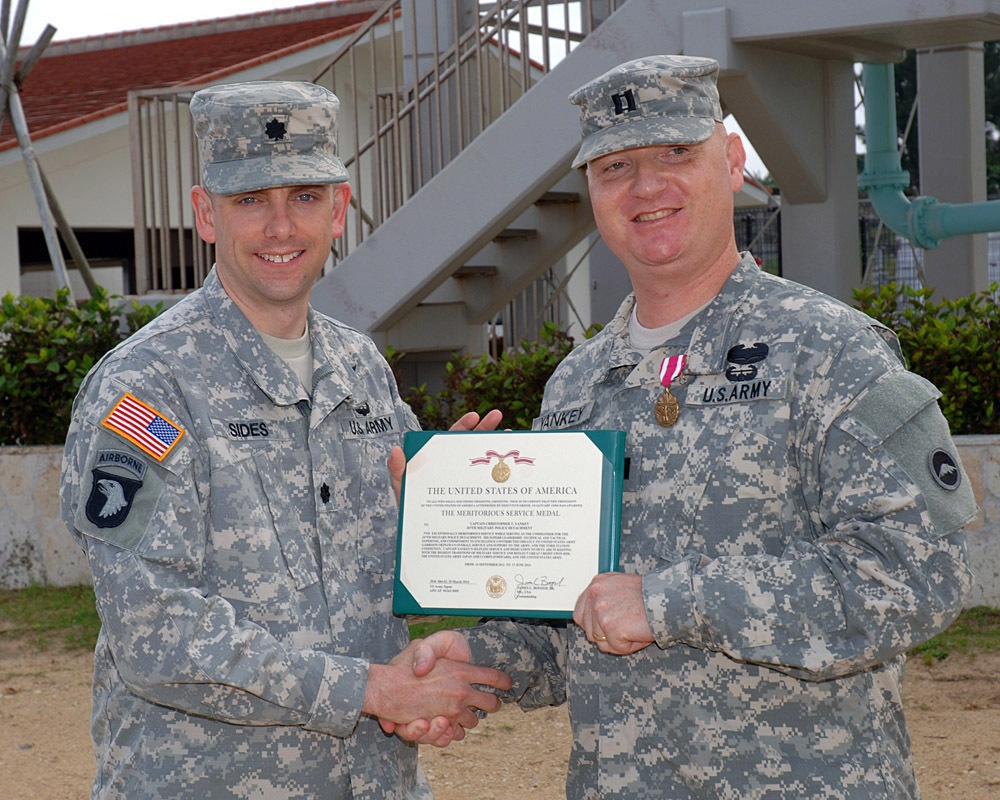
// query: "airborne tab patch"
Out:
[144,426]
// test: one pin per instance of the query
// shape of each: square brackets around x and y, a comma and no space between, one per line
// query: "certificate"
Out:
[506,523]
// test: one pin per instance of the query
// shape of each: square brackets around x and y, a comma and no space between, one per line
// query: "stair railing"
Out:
[434,75]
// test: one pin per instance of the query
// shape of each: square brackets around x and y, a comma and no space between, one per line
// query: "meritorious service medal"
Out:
[667,409]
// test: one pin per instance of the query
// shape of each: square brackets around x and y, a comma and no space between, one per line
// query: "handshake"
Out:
[429,693]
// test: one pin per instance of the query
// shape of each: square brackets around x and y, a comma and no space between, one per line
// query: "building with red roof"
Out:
[75,101]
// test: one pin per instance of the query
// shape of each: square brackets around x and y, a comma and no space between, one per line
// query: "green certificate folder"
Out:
[506,523]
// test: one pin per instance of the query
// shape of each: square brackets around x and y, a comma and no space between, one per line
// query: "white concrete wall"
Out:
[36,547]
[981,459]
[91,178]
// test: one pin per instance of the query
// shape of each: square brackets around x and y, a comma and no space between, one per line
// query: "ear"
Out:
[204,218]
[737,157]
[341,200]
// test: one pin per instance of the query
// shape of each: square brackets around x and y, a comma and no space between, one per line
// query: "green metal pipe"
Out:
[923,220]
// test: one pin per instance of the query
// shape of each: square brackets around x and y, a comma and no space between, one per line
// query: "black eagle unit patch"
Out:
[110,498]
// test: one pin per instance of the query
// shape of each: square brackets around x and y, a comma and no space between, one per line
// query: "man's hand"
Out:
[473,422]
[425,692]
[612,613]
[421,657]
[467,422]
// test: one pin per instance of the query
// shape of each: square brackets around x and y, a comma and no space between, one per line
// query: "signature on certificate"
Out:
[527,586]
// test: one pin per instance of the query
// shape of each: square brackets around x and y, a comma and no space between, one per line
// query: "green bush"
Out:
[47,346]
[513,383]
[955,344]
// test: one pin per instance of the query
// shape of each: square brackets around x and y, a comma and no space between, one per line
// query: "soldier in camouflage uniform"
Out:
[793,504]
[225,473]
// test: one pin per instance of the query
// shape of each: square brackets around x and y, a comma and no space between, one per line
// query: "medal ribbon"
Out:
[671,368]
[491,454]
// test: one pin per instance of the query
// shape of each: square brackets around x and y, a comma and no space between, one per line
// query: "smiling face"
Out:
[667,211]
[270,247]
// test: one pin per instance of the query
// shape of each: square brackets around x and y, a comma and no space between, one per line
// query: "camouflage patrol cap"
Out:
[261,134]
[649,101]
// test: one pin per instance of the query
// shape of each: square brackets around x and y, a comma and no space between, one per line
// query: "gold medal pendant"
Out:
[667,409]
[500,471]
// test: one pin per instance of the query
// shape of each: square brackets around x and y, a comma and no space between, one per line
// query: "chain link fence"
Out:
[890,257]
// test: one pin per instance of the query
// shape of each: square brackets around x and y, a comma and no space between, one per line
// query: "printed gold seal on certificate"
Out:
[501,472]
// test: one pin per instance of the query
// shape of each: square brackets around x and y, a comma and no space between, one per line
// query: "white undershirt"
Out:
[645,339]
[297,353]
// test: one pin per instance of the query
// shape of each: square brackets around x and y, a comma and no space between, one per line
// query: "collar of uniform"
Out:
[717,324]
[271,374]
[336,361]
[710,338]
[620,352]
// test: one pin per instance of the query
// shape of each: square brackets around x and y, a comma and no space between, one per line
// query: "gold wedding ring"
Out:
[600,638]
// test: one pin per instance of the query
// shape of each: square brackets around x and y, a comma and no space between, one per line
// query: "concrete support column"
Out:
[820,246]
[951,119]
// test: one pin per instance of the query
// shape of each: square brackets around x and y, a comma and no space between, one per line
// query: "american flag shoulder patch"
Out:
[144,426]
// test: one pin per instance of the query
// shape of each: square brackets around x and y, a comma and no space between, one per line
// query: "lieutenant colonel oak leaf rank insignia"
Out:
[145,427]
[275,130]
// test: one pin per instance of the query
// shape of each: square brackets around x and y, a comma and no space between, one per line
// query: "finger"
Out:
[472,421]
[424,659]
[397,466]
[468,719]
[415,731]
[466,422]
[442,644]
[410,732]
[491,421]
[487,676]
[582,613]
[441,733]
[484,701]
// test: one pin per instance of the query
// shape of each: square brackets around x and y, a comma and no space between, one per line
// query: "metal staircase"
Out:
[475,155]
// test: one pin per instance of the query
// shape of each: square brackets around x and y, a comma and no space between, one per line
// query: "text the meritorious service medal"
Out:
[667,410]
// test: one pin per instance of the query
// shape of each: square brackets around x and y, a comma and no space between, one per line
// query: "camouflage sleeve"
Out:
[882,567]
[532,653]
[173,641]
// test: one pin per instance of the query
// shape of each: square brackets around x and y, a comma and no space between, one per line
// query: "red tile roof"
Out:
[86,79]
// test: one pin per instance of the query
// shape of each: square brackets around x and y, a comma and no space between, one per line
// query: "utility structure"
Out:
[12,77]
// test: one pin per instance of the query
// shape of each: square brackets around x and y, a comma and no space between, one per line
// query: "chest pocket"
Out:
[360,499]
[259,557]
[720,491]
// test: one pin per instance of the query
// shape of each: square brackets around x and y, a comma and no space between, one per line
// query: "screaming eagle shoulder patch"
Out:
[144,426]
[117,477]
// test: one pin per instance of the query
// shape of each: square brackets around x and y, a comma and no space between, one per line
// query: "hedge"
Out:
[47,346]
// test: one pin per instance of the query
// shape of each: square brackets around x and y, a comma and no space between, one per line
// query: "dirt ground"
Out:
[953,710]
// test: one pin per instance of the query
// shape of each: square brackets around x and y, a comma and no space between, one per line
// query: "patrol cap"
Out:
[649,101]
[261,134]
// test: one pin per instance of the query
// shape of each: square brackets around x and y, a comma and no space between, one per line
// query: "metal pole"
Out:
[11,101]
[69,237]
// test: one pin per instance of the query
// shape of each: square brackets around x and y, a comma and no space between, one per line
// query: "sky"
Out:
[76,18]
